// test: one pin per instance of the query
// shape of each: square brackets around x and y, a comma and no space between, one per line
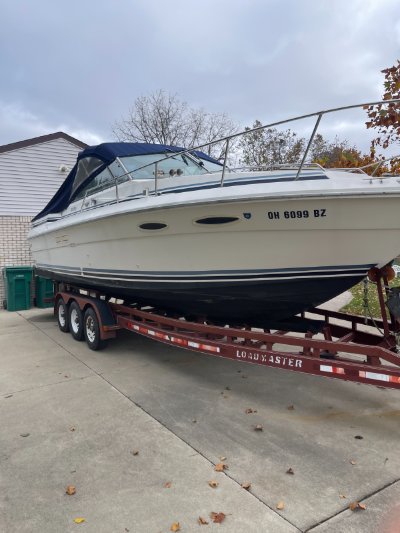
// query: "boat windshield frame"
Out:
[187,165]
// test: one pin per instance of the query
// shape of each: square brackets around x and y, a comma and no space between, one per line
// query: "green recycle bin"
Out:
[44,292]
[17,281]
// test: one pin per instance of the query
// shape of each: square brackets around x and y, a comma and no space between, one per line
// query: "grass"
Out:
[356,306]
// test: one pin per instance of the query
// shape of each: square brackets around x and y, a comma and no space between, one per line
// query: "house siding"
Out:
[29,178]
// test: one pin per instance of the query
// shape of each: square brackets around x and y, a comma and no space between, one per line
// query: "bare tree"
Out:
[165,119]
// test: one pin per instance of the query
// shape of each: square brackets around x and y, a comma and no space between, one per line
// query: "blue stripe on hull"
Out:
[251,301]
[220,275]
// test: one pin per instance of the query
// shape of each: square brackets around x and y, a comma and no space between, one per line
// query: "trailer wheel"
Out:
[91,329]
[75,321]
[62,315]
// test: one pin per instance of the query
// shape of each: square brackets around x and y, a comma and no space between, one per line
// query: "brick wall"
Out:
[14,248]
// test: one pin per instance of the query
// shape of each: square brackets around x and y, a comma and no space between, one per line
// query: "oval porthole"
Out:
[216,220]
[152,226]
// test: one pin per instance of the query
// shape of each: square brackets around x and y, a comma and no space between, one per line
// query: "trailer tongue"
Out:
[329,344]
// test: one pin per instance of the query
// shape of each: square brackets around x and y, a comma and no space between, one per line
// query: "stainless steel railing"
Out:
[228,140]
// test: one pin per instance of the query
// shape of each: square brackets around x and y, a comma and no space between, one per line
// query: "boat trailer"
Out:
[320,342]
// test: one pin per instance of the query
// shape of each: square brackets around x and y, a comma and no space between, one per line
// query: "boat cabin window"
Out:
[85,167]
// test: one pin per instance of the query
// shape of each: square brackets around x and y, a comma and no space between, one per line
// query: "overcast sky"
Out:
[78,65]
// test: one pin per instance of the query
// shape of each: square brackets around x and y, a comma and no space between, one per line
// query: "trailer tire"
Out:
[62,315]
[75,321]
[91,329]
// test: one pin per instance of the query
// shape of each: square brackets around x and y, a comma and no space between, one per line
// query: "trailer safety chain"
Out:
[397,338]
[367,309]
[365,300]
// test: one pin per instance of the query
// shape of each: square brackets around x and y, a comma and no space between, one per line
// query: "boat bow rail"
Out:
[298,167]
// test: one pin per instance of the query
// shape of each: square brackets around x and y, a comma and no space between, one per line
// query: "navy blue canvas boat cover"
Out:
[107,153]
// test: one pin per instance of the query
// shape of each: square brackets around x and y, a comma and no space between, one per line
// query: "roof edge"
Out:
[42,139]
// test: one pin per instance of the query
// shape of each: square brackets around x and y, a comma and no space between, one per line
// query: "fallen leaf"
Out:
[246,485]
[359,437]
[354,506]
[79,520]
[167,485]
[352,462]
[290,471]
[220,467]
[135,452]
[217,518]
[175,527]
[222,458]
[213,484]
[70,490]
[280,506]
[24,434]
[258,427]
[202,521]
[290,407]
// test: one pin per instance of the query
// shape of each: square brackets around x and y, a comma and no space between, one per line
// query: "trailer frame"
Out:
[325,343]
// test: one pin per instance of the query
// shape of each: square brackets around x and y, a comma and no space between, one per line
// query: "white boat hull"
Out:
[280,257]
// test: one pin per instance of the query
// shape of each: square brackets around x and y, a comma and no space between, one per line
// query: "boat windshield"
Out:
[142,166]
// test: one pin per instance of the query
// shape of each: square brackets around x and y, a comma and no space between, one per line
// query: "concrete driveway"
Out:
[70,416]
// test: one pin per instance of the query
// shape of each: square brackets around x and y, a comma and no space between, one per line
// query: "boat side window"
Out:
[86,166]
[102,181]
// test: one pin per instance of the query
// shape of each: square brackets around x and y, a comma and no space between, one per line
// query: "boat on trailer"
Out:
[178,230]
